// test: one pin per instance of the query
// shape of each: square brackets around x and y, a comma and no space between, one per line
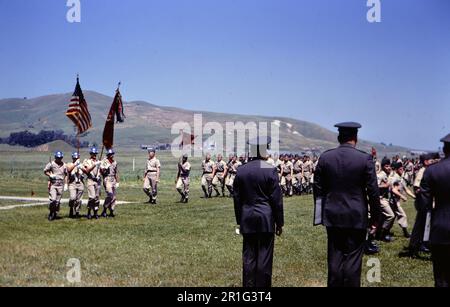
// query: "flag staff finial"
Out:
[119,84]
[78,77]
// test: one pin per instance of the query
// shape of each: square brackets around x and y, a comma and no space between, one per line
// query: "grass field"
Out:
[170,244]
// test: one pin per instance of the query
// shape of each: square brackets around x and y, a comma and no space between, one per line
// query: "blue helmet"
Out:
[110,152]
[59,155]
[75,155]
[94,151]
[151,149]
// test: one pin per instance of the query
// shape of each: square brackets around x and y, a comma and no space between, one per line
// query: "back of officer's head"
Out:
[347,136]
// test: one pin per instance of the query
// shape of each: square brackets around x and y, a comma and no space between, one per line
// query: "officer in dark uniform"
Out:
[345,191]
[435,186]
[258,206]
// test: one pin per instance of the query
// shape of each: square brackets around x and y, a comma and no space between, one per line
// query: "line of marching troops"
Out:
[295,172]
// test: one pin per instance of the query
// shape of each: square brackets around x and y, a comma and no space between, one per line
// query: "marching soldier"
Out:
[57,174]
[76,185]
[91,167]
[345,191]
[307,171]
[435,186]
[208,168]
[258,205]
[387,215]
[398,191]
[286,176]
[110,174]
[219,176]
[231,173]
[182,182]
[151,176]
[298,174]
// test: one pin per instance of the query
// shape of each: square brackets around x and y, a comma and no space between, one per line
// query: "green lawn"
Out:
[169,244]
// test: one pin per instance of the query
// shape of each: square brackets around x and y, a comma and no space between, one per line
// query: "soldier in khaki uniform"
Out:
[91,167]
[398,191]
[209,169]
[279,165]
[308,167]
[151,176]
[219,176]
[388,216]
[57,174]
[76,185]
[182,182]
[286,176]
[233,166]
[298,175]
[110,174]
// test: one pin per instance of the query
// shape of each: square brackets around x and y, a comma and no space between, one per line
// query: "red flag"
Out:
[115,111]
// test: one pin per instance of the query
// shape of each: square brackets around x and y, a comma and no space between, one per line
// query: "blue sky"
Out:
[314,60]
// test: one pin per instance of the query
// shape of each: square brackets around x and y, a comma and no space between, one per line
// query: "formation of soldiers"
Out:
[399,179]
[76,176]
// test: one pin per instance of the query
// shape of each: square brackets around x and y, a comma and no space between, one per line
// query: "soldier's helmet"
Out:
[151,149]
[93,151]
[59,155]
[185,156]
[75,155]
[110,152]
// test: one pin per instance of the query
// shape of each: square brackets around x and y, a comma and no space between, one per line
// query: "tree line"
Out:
[30,139]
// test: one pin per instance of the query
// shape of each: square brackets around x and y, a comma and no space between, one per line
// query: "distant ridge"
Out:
[148,123]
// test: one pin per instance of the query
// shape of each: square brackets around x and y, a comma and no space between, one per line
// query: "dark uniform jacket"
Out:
[346,183]
[258,201]
[436,185]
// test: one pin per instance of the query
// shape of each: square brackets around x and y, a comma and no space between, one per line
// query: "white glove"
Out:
[98,163]
[238,231]
[117,185]
[77,163]
[52,177]
[66,187]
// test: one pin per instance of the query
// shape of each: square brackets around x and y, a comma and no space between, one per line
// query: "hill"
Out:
[148,123]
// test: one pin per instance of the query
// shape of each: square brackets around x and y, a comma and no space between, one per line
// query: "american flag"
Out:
[78,111]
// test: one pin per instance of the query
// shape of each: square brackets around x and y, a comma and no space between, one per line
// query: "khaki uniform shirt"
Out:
[152,165]
[287,168]
[76,175]
[59,171]
[308,167]
[88,163]
[298,166]
[220,166]
[185,169]
[208,166]
[109,169]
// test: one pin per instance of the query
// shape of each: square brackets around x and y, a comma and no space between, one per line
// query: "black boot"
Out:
[104,213]
[50,216]
[89,216]
[385,237]
[111,213]
[96,214]
[406,233]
